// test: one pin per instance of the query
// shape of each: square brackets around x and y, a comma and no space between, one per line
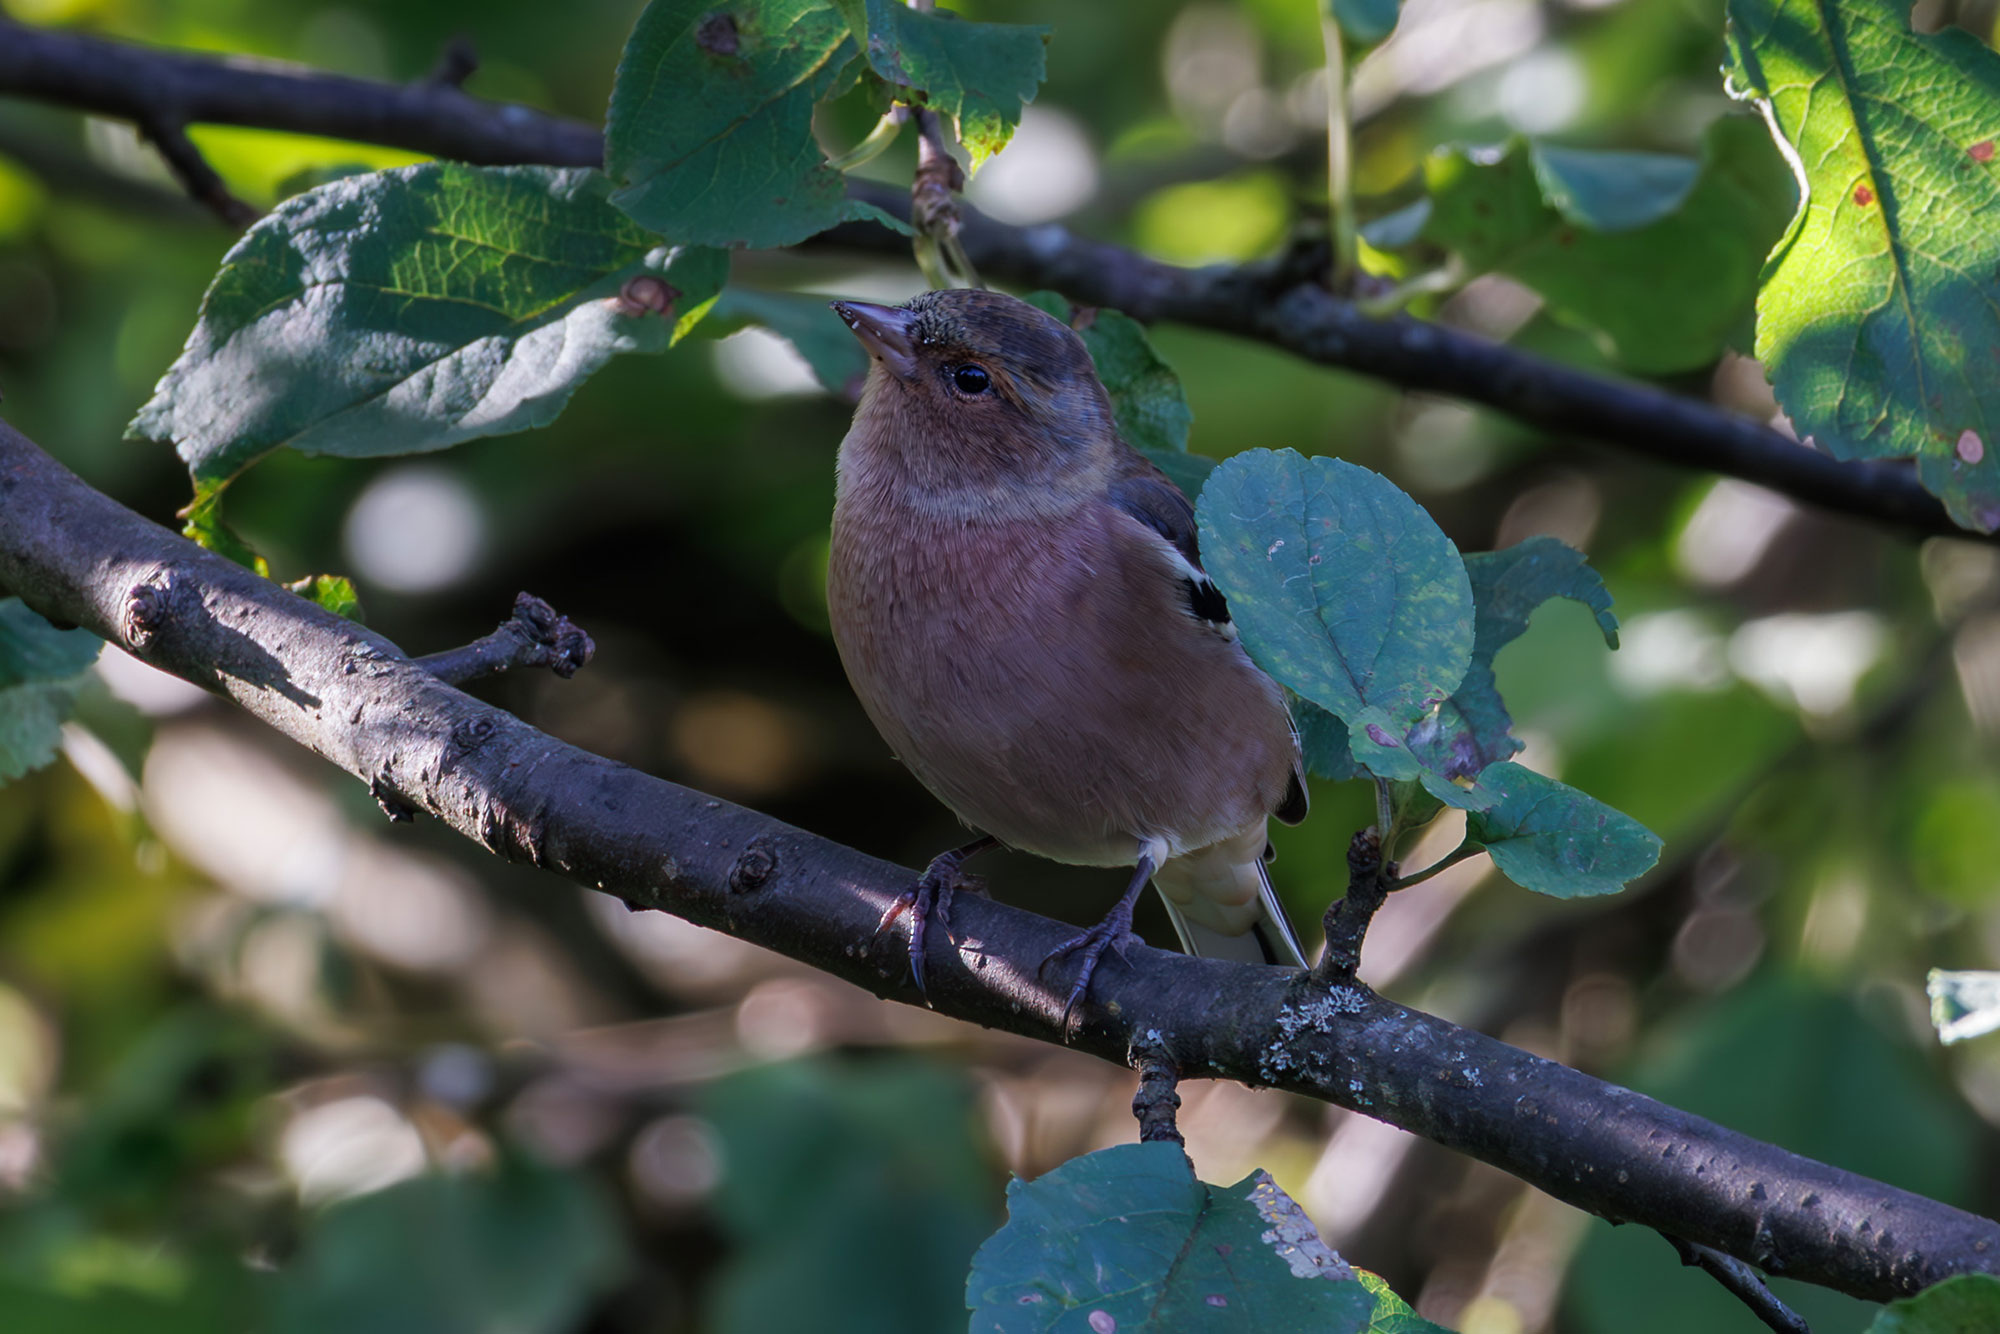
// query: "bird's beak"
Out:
[884,331]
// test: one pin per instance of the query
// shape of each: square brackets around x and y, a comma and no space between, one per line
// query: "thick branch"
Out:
[350,695]
[1280,304]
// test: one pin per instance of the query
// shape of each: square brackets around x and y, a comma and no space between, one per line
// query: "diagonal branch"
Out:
[353,697]
[1276,303]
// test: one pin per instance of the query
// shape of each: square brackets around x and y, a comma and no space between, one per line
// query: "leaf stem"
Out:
[876,143]
[1339,157]
[1450,859]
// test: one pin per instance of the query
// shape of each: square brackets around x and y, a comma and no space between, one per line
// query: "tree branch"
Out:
[354,698]
[1280,303]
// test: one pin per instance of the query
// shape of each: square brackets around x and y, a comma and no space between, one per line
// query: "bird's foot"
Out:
[1111,935]
[931,898]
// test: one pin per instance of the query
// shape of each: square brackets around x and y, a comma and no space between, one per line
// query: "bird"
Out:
[1018,600]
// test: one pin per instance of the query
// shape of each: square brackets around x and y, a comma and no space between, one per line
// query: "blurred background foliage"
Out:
[266,1060]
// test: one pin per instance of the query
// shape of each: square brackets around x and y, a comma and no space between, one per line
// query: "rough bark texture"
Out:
[354,698]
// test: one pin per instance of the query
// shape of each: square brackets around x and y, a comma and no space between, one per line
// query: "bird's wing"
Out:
[1145,493]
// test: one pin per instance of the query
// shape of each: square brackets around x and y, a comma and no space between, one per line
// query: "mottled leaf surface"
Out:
[1548,837]
[1961,1304]
[1127,1239]
[709,135]
[1472,729]
[41,669]
[409,310]
[1344,590]
[1879,318]
[1659,260]
[979,74]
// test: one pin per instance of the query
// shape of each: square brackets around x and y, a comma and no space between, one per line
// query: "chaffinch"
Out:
[1018,599]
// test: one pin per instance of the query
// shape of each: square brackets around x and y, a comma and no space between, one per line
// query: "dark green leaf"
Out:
[1620,243]
[836,1207]
[838,360]
[1323,742]
[412,309]
[1880,311]
[1128,1236]
[523,1248]
[1961,1304]
[1472,729]
[41,669]
[1364,23]
[709,137]
[1187,471]
[334,592]
[979,74]
[1548,837]
[1344,590]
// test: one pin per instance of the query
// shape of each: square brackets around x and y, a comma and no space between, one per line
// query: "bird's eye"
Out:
[970,379]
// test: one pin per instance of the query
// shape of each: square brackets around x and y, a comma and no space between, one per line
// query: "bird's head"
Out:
[979,383]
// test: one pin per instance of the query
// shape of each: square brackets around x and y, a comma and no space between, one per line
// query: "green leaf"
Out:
[1323,742]
[1364,23]
[1392,1314]
[1127,1238]
[334,592]
[409,310]
[1472,728]
[1344,590]
[838,360]
[979,74]
[1548,837]
[1660,261]
[205,528]
[41,670]
[1189,472]
[1961,1304]
[1963,1004]
[1880,311]
[709,136]
[523,1248]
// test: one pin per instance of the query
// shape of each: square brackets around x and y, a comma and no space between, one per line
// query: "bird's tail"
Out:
[1270,938]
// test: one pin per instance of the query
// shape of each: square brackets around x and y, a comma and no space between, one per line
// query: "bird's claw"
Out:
[929,898]
[1111,935]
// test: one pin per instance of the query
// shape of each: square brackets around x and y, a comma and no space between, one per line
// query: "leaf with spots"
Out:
[1127,1241]
[41,670]
[1657,256]
[709,135]
[409,310]
[1549,837]
[1879,317]
[979,74]
[1472,729]
[1344,590]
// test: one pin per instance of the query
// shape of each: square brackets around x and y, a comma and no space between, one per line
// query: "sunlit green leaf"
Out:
[979,74]
[1659,261]
[1392,1314]
[205,528]
[1472,728]
[709,136]
[333,592]
[1344,590]
[1548,837]
[1126,1238]
[413,309]
[1880,312]
[41,669]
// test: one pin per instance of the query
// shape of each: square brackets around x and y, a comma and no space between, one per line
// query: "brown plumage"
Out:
[1018,600]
